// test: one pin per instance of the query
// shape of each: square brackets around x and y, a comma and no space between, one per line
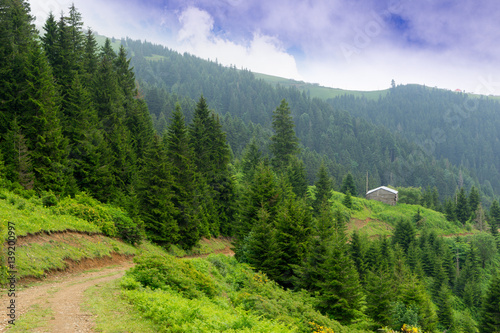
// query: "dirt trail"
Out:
[63,294]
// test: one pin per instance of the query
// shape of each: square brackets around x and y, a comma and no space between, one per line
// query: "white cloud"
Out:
[261,54]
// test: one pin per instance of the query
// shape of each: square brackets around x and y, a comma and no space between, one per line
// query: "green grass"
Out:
[382,218]
[36,259]
[36,317]
[318,91]
[114,313]
[215,294]
[30,217]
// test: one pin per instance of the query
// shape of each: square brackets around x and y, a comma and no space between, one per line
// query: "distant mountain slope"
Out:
[463,129]
[246,103]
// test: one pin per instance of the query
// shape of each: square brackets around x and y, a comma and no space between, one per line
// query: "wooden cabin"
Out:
[383,194]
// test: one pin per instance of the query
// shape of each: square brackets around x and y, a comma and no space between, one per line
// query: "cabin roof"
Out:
[382,188]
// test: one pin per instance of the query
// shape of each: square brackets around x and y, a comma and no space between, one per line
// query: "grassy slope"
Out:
[318,91]
[214,294]
[376,218]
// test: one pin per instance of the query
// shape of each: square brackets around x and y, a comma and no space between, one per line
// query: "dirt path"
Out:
[63,294]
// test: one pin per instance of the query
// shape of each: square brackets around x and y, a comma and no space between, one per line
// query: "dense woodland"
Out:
[192,149]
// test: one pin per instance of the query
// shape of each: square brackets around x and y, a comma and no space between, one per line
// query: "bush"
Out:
[169,273]
[112,221]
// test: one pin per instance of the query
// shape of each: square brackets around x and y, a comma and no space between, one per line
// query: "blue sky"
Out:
[349,44]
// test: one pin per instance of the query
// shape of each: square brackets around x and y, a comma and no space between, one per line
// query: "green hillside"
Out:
[316,91]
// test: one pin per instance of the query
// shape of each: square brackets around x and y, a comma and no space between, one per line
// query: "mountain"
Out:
[328,131]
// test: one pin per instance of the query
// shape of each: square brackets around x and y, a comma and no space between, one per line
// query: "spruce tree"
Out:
[340,295]
[323,187]
[263,193]
[404,234]
[186,197]
[41,125]
[156,208]
[490,316]
[494,219]
[357,252]
[17,35]
[462,209]
[348,185]
[250,160]
[284,142]
[293,224]
[308,274]
[297,176]
[474,199]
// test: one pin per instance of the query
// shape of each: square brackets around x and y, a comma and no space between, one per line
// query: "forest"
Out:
[190,149]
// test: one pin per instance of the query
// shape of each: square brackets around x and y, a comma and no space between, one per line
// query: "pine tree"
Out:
[89,154]
[49,39]
[186,196]
[19,167]
[284,142]
[41,125]
[251,159]
[404,234]
[261,247]
[347,200]
[297,176]
[490,318]
[17,35]
[156,208]
[348,185]
[474,199]
[323,187]
[340,294]
[293,223]
[494,219]
[462,210]
[358,255]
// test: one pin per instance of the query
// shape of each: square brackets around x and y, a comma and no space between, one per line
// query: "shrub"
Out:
[169,273]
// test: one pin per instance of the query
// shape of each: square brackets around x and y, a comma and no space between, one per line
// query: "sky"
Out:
[347,44]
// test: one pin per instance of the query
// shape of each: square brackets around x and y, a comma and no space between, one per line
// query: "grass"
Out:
[37,259]
[30,217]
[318,91]
[377,218]
[36,317]
[115,314]
[205,246]
[215,294]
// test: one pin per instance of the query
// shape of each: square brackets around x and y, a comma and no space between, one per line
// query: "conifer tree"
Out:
[340,291]
[380,295]
[17,33]
[348,185]
[156,208]
[186,196]
[297,176]
[323,187]
[49,39]
[490,317]
[308,274]
[251,159]
[474,199]
[358,255]
[19,167]
[494,219]
[293,223]
[89,154]
[347,200]
[404,234]
[462,210]
[284,142]
[42,125]
[261,247]
[263,193]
